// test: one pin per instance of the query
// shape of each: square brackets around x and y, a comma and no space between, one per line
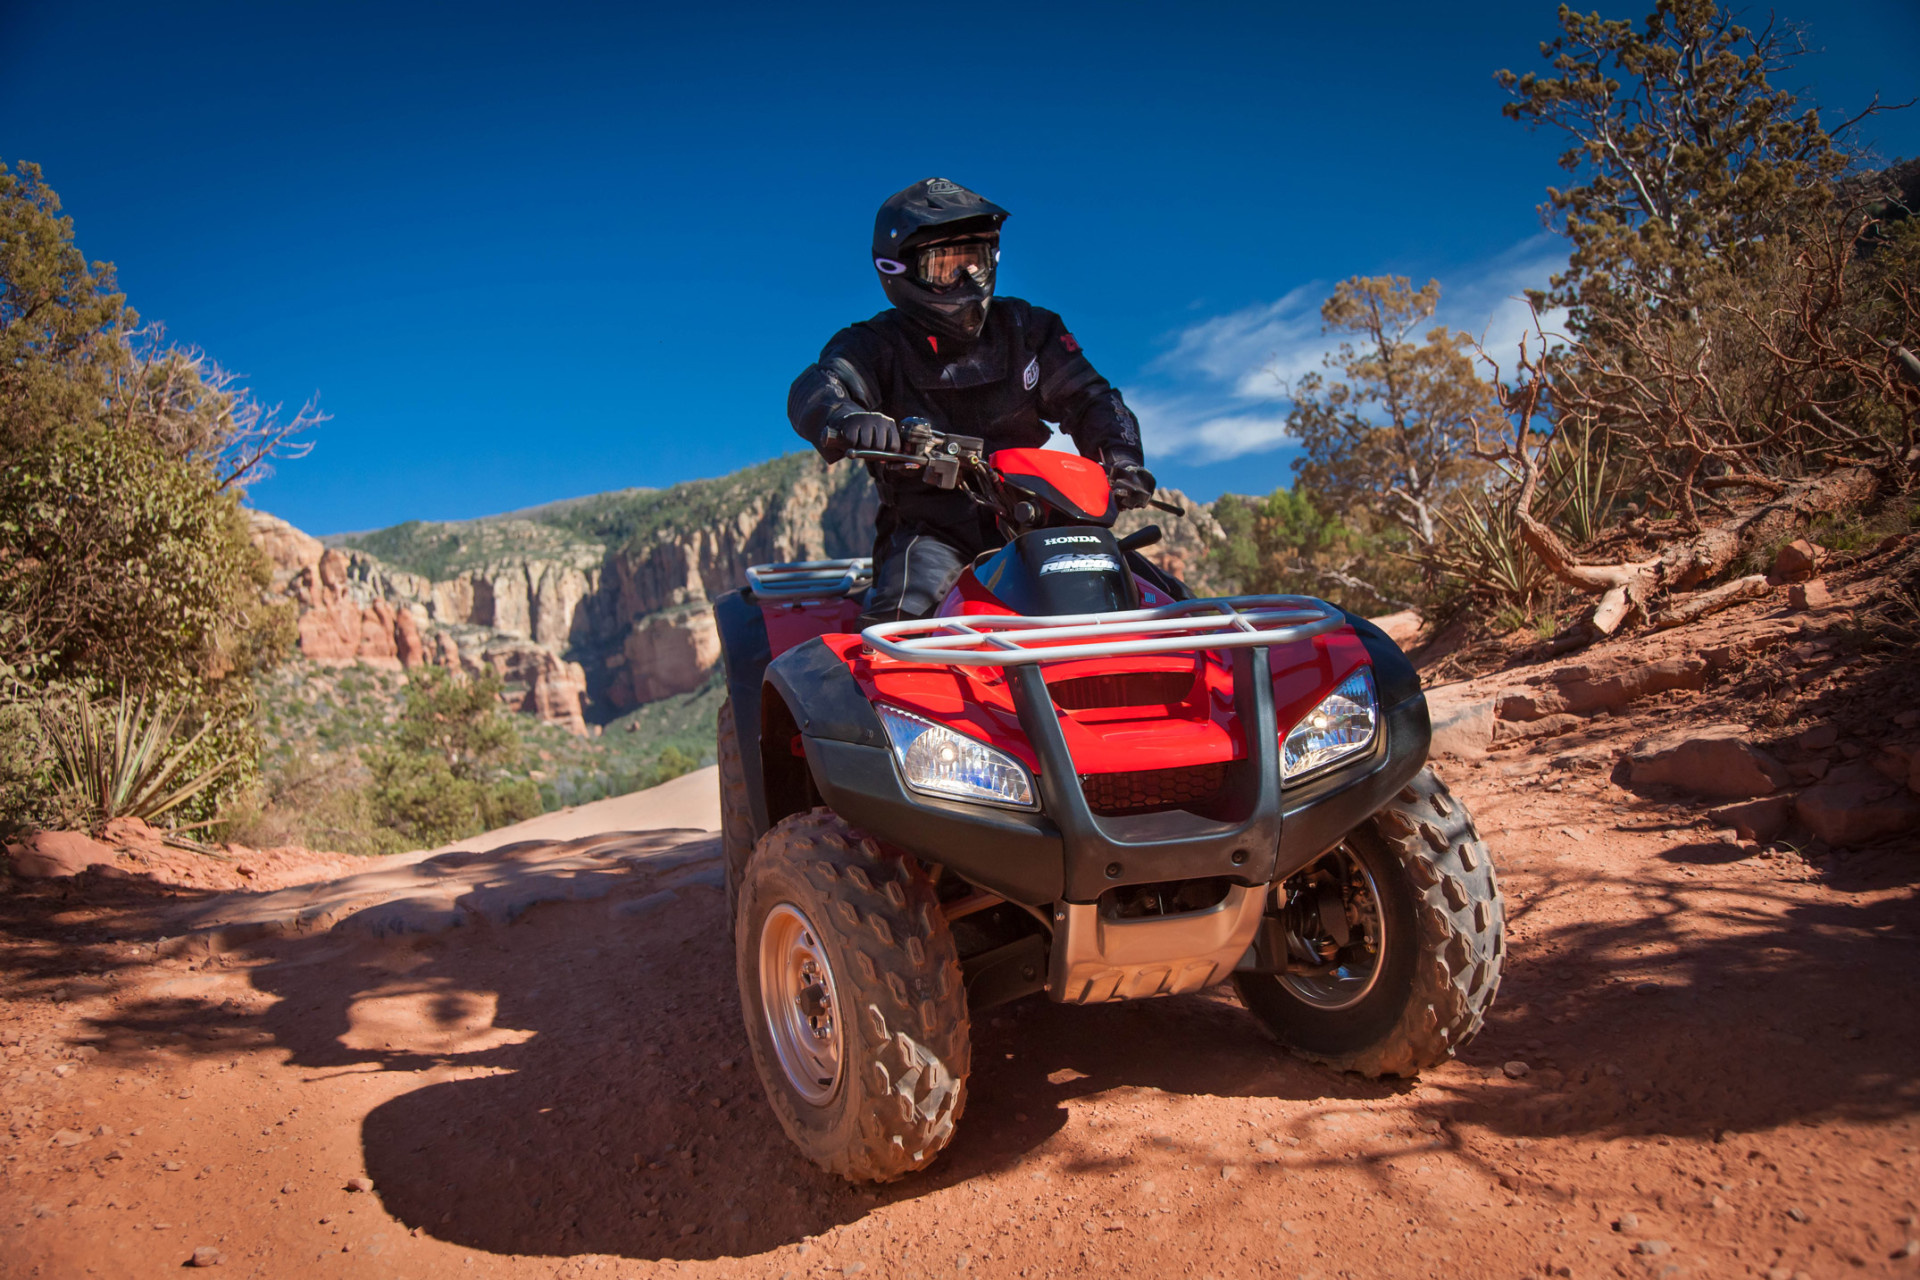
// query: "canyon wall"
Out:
[597,609]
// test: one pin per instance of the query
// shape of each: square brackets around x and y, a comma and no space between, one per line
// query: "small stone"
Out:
[68,1137]
[171,1166]
[1908,1250]
[1810,597]
[1798,561]
[1516,1069]
[1798,1214]
[206,1256]
[1627,1222]
[1818,738]
[688,1228]
[359,1184]
[1779,1273]
[286,1188]
[1653,1247]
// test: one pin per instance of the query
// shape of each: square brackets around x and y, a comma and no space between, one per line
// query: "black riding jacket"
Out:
[1024,371]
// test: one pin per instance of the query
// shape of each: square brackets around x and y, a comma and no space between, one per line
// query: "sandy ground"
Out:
[1705,1061]
[690,800]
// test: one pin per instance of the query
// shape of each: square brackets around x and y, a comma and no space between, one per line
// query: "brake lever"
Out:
[875,455]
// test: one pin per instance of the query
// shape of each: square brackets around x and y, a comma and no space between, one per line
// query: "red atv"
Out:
[1075,779]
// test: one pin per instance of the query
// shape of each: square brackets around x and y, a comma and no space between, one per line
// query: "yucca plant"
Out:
[1582,481]
[121,761]
[1483,551]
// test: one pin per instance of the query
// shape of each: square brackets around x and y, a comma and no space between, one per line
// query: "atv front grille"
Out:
[1121,689]
[1152,790]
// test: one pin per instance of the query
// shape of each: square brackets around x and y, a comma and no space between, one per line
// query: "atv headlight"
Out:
[941,762]
[1342,725]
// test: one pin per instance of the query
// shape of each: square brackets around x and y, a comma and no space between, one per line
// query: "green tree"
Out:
[1726,343]
[1391,433]
[124,555]
[1687,159]
[1286,544]
[449,772]
[62,326]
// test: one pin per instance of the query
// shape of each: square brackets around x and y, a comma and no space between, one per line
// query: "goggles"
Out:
[946,266]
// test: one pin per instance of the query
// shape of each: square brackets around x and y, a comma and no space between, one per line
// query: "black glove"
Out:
[874,431]
[1133,485]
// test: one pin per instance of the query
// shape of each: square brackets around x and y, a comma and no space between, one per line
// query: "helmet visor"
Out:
[945,266]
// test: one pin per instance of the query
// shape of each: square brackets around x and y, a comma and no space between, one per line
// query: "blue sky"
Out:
[528,252]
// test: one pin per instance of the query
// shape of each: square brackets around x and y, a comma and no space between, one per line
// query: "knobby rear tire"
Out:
[901,1001]
[1444,907]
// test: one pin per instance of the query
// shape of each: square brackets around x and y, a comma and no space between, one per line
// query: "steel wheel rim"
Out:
[800,1002]
[1360,966]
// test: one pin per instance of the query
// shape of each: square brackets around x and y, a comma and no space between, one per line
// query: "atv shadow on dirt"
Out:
[630,1122]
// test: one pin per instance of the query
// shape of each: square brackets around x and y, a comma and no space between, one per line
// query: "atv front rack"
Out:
[1001,640]
[814,578]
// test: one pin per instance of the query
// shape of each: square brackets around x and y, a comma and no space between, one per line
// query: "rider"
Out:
[950,352]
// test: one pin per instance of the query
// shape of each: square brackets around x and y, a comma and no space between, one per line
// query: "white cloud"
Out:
[1256,349]
[1219,391]
[1202,428]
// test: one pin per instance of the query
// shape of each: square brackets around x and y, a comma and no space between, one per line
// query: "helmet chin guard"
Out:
[936,210]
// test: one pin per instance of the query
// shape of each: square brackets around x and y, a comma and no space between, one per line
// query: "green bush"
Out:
[1291,543]
[317,803]
[447,774]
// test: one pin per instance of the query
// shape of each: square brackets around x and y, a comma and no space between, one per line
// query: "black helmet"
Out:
[935,245]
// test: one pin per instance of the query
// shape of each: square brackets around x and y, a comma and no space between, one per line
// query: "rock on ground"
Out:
[1855,805]
[1713,760]
[47,855]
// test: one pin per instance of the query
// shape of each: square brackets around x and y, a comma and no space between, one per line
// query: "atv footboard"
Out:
[1067,860]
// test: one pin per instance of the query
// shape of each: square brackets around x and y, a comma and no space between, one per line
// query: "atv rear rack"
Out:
[1001,640]
[814,578]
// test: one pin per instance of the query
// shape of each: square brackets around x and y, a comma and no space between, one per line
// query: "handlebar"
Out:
[943,457]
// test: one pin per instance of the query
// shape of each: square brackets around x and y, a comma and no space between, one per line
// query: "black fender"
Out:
[849,760]
[745,652]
